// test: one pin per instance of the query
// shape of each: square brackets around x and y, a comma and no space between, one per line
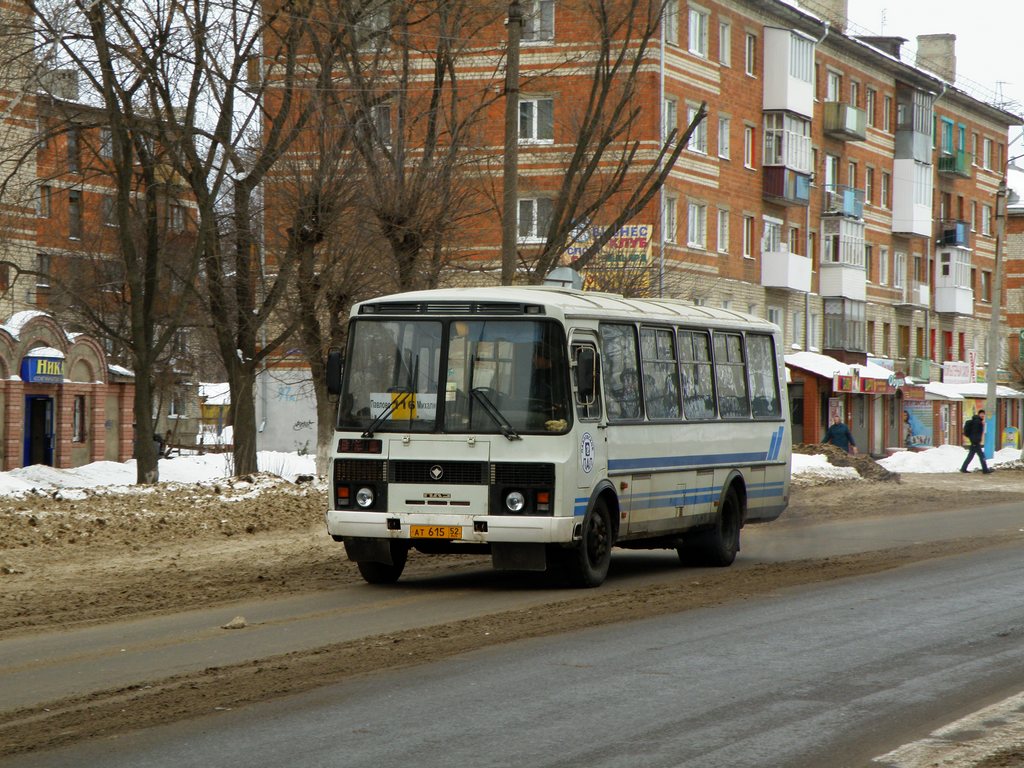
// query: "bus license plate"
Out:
[436,531]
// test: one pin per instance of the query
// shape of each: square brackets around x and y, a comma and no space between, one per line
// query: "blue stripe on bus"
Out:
[685,497]
[672,462]
[774,444]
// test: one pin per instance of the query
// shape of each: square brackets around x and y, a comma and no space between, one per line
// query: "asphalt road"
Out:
[818,676]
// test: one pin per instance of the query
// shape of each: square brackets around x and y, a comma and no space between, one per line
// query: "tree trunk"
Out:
[147,468]
[243,419]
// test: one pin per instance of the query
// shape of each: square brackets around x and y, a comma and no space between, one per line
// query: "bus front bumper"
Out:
[476,529]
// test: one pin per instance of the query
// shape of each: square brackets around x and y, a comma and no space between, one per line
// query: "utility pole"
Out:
[510,172]
[992,369]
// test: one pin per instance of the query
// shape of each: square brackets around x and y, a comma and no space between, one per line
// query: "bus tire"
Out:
[717,546]
[374,572]
[586,565]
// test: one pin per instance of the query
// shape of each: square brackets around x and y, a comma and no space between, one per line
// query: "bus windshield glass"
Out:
[482,376]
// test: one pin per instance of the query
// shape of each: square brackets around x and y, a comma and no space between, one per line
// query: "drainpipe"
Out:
[661,133]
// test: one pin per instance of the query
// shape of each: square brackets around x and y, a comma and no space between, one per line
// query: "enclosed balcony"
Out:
[785,186]
[841,200]
[955,232]
[953,292]
[914,295]
[957,163]
[845,122]
[784,269]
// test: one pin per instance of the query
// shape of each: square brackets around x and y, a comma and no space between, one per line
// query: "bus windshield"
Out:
[482,376]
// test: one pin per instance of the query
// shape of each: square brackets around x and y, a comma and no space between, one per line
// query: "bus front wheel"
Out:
[374,572]
[718,545]
[586,565]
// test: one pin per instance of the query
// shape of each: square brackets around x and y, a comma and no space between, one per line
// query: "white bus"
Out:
[543,426]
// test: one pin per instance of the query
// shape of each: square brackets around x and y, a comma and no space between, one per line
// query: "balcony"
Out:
[840,200]
[845,122]
[783,269]
[914,294]
[842,280]
[958,163]
[785,186]
[954,300]
[955,232]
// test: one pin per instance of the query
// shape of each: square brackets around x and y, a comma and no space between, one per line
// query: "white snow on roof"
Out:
[19,320]
[824,365]
[45,352]
[215,393]
[942,391]
[120,370]
[979,389]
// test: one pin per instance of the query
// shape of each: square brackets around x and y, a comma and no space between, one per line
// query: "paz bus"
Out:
[544,426]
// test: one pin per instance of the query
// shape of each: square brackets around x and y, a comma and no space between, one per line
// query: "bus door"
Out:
[591,432]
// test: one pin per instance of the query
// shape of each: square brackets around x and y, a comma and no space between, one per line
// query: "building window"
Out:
[42,270]
[750,55]
[801,59]
[106,143]
[986,157]
[534,217]
[109,211]
[886,185]
[854,94]
[75,214]
[787,141]
[536,120]
[381,117]
[696,226]
[748,237]
[372,25]
[986,219]
[725,44]
[869,261]
[723,231]
[671,116]
[74,150]
[775,315]
[78,420]
[883,265]
[748,146]
[723,137]
[887,113]
[974,216]
[671,21]
[833,85]
[845,324]
[869,186]
[539,20]
[986,285]
[851,174]
[669,218]
[176,217]
[869,105]
[45,201]
[699,138]
[699,32]
[899,270]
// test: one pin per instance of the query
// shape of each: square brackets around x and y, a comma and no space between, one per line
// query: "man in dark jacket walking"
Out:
[840,436]
[974,430]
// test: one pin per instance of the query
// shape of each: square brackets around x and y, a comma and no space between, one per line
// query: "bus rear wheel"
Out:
[718,545]
[586,565]
[374,572]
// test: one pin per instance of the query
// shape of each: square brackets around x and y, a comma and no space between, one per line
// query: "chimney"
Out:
[937,53]
[60,84]
[891,45]
[835,12]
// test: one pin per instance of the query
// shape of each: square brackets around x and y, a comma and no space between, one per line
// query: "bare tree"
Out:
[604,179]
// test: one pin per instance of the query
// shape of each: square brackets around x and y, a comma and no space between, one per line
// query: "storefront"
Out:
[60,403]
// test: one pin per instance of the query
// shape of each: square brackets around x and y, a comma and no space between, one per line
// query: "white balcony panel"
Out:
[958,301]
[782,91]
[843,280]
[911,207]
[783,269]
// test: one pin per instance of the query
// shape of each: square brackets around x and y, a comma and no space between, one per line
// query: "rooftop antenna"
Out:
[882,21]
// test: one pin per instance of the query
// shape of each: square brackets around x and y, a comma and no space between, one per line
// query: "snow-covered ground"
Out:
[113,477]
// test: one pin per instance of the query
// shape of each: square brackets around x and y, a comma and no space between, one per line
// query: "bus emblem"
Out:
[587,452]
[436,472]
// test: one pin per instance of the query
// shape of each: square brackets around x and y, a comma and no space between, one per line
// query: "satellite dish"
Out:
[564,277]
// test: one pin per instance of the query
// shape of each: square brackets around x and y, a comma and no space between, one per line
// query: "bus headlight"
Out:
[515,501]
[364,497]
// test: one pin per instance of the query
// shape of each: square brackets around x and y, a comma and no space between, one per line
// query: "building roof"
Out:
[827,367]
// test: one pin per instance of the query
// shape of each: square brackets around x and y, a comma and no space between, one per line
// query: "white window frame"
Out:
[697,225]
[833,85]
[669,218]
[670,22]
[748,237]
[697,37]
[699,138]
[750,55]
[530,111]
[870,97]
[538,21]
[748,147]
[899,269]
[771,234]
[723,231]
[671,116]
[986,219]
[724,143]
[539,211]
[883,265]
[887,113]
[725,43]
[986,157]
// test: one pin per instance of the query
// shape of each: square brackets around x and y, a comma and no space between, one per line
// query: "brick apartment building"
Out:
[834,188]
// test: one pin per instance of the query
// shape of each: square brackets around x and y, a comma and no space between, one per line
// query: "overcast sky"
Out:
[989,39]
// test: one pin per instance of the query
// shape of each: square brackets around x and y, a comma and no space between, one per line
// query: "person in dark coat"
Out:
[974,430]
[840,436]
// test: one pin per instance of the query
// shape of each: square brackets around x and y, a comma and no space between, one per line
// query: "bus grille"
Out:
[360,470]
[451,472]
[523,474]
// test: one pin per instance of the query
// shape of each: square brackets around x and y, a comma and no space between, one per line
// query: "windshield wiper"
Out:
[492,410]
[405,395]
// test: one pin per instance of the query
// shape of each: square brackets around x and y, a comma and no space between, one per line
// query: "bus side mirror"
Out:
[586,374]
[335,367]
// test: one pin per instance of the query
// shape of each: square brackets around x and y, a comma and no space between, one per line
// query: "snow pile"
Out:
[945,458]
[818,467]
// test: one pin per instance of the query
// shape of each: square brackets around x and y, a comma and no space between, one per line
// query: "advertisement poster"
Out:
[917,424]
